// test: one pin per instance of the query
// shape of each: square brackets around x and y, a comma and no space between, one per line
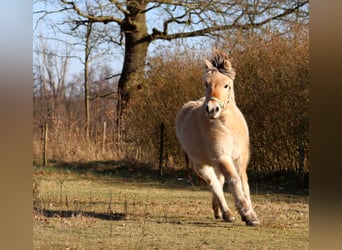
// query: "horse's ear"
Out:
[228,67]
[207,64]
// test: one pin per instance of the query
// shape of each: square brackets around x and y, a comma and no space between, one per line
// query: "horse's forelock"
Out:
[219,62]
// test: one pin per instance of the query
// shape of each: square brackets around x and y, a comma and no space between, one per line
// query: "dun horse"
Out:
[214,134]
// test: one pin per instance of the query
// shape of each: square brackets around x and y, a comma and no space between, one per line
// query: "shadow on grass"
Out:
[288,182]
[127,170]
[68,214]
[207,223]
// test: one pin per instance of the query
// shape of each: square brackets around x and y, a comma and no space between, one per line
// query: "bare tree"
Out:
[92,37]
[88,40]
[86,76]
[50,81]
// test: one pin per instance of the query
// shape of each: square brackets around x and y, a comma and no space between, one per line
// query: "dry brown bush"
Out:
[271,89]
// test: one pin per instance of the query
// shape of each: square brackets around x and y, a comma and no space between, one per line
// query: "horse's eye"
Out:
[226,86]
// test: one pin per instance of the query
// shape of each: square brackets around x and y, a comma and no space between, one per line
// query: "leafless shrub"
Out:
[271,89]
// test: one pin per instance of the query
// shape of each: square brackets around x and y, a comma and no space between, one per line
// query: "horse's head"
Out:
[218,80]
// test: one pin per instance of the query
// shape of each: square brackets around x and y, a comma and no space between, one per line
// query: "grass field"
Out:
[98,211]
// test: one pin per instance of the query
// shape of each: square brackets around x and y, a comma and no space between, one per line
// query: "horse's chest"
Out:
[224,139]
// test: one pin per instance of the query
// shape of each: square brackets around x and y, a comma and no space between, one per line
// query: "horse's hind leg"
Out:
[242,167]
[216,186]
[234,181]
[245,187]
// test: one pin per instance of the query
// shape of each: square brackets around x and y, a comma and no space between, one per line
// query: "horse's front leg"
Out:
[216,203]
[233,179]
[208,174]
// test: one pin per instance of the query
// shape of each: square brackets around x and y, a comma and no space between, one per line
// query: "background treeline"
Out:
[271,89]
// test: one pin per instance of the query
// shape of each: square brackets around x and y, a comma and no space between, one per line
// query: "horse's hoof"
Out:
[252,222]
[228,216]
[217,217]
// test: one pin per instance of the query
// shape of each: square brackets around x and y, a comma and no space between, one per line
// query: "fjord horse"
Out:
[214,134]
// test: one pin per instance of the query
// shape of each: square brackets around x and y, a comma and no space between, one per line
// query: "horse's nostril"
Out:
[207,109]
[217,109]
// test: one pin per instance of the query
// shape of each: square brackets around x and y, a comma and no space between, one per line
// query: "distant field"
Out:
[88,211]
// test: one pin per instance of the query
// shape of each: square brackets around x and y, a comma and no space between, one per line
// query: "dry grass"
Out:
[87,211]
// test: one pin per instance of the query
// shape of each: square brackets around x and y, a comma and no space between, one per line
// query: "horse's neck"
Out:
[230,108]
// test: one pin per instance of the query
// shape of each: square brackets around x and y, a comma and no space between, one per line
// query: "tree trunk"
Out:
[137,41]
[86,80]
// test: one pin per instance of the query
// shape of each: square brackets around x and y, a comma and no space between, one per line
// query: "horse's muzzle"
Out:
[213,109]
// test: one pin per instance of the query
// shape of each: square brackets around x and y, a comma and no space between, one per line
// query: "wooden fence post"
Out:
[45,143]
[161,148]
[104,137]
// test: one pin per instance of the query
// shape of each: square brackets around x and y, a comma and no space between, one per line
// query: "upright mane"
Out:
[221,62]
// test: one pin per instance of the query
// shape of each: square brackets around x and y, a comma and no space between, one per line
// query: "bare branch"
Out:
[211,29]
[112,76]
[157,5]
[120,7]
[101,96]
[45,14]
[90,17]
